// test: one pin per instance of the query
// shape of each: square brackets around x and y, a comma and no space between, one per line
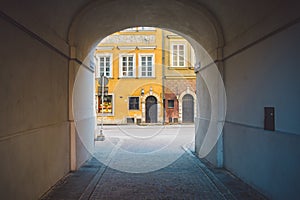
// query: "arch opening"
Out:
[208,38]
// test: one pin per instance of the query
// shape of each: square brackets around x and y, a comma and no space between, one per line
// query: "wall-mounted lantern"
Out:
[142,92]
[177,93]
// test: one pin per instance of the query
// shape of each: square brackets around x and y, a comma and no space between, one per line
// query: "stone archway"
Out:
[85,36]
[105,18]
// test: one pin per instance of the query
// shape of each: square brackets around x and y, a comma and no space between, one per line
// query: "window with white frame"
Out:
[104,65]
[146,65]
[178,55]
[127,65]
[107,106]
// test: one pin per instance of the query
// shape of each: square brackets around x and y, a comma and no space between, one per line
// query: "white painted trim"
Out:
[140,66]
[120,65]
[146,28]
[98,55]
[107,48]
[146,47]
[193,57]
[129,48]
[172,53]
[113,107]
[96,61]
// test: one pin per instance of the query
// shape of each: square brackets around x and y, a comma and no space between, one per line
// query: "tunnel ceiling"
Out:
[52,19]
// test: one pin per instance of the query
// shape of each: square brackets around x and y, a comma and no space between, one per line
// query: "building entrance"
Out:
[188,109]
[151,109]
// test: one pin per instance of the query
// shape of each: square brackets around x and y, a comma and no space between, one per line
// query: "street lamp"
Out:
[103,81]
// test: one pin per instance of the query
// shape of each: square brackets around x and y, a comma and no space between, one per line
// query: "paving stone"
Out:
[186,178]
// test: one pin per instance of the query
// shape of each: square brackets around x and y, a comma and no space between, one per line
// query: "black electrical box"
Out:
[269,119]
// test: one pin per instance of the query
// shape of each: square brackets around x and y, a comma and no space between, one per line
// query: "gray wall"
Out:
[34,130]
[266,74]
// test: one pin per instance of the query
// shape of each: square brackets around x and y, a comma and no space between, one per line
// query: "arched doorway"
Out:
[188,109]
[151,109]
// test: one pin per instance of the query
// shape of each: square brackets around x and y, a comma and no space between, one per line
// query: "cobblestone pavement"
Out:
[186,177]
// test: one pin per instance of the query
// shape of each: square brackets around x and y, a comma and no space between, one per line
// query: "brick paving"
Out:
[186,178]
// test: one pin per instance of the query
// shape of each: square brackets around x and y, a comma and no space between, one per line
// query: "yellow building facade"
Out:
[145,74]
[131,60]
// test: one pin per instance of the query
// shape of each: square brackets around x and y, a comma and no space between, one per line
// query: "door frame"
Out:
[146,111]
[180,99]
[144,97]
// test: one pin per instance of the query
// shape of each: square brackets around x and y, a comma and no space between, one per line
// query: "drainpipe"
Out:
[163,75]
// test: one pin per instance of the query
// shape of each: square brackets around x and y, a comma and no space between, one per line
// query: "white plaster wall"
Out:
[203,116]
[211,115]
[34,130]
[266,74]
[84,113]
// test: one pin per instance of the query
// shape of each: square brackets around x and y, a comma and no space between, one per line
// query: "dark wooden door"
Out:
[151,109]
[188,109]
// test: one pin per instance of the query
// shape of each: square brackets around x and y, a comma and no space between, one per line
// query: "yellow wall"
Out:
[122,88]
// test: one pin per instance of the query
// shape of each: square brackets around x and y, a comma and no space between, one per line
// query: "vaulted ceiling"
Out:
[53,19]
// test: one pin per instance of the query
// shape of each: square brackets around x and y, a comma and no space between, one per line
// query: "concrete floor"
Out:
[149,162]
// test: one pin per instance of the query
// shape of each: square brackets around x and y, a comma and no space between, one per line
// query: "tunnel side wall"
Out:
[265,74]
[83,112]
[34,128]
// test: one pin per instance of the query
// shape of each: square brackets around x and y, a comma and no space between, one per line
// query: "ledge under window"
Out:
[180,68]
[126,77]
[147,77]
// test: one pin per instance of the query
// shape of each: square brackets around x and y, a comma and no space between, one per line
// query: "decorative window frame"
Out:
[121,65]
[113,107]
[97,56]
[172,54]
[140,55]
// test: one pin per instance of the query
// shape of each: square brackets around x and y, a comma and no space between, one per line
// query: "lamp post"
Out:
[103,81]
